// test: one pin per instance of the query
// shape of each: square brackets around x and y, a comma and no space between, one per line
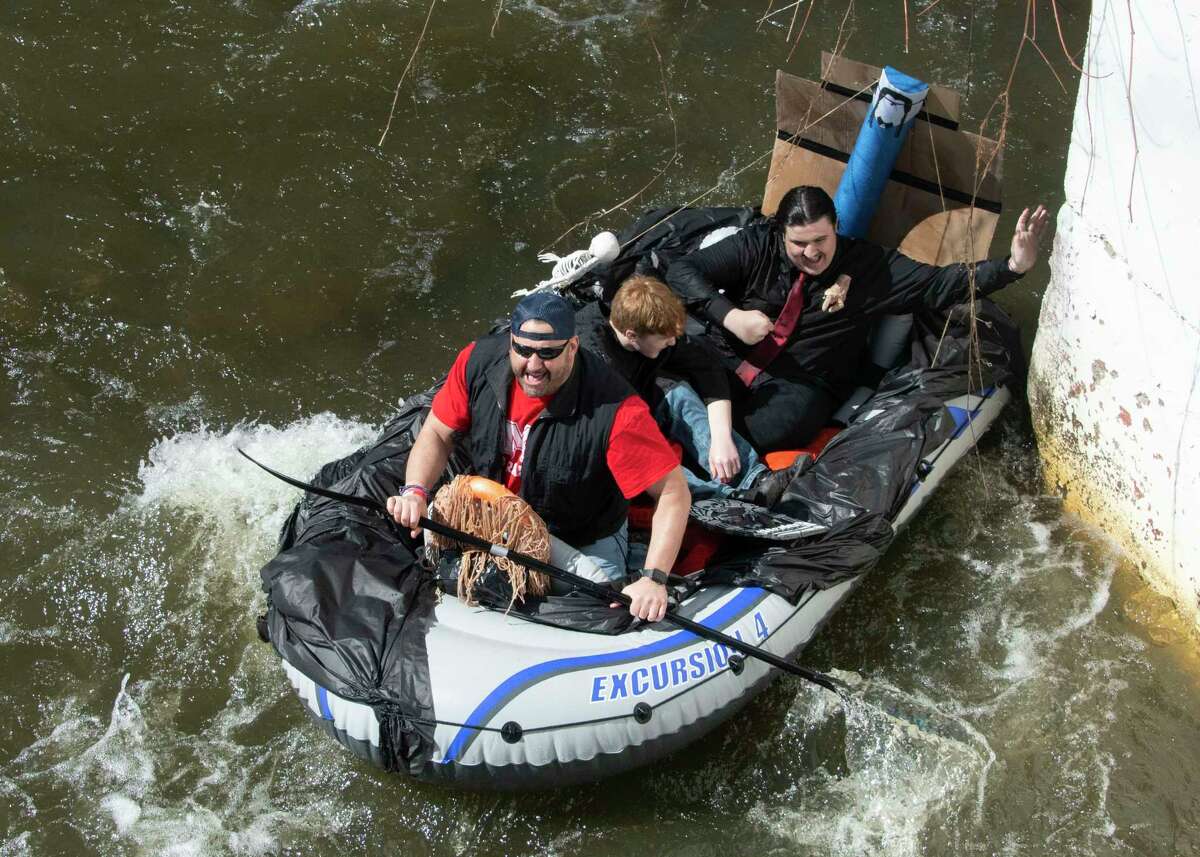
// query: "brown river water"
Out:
[204,245]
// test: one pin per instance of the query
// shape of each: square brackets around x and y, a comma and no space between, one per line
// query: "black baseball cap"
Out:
[550,307]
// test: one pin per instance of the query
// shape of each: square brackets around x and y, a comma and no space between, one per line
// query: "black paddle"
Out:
[582,583]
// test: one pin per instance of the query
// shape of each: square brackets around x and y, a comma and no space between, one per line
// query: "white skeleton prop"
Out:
[567,269]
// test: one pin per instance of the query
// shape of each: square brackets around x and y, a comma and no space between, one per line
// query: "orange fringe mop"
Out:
[489,510]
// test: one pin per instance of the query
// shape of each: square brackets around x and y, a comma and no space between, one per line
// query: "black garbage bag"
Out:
[944,341]
[348,603]
[850,549]
[654,240]
[375,472]
[354,618]
[869,467]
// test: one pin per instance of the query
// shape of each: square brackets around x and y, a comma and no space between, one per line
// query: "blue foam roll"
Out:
[898,99]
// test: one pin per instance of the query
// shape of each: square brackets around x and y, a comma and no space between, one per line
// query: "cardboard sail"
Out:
[942,200]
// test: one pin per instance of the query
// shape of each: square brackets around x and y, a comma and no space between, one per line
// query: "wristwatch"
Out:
[657,575]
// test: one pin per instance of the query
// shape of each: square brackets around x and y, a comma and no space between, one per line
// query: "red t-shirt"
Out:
[638,455]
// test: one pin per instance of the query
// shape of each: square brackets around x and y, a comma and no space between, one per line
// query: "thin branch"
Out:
[1017,59]
[767,14]
[1087,103]
[754,163]
[670,161]
[839,47]
[983,166]
[795,12]
[1063,42]
[937,169]
[927,8]
[496,20]
[803,27]
[905,25]
[1132,121]
[404,74]
[1042,53]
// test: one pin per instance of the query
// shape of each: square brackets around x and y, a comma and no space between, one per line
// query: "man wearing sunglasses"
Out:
[561,429]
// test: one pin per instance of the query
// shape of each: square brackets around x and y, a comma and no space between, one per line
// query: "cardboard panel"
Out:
[960,235]
[931,154]
[791,166]
[938,172]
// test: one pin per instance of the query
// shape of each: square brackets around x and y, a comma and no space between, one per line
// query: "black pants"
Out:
[779,414]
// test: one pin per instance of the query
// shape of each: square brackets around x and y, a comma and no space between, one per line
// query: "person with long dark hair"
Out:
[790,304]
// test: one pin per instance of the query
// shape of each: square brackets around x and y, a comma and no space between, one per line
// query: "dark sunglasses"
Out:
[547,353]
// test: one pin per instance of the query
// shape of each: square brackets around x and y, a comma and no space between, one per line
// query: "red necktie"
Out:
[765,351]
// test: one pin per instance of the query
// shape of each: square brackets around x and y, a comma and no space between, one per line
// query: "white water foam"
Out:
[191,542]
[900,776]
[125,811]
[201,472]
[119,757]
[625,13]
[10,633]
[307,13]
[73,732]
[163,791]
[1008,615]
[1025,614]
[17,845]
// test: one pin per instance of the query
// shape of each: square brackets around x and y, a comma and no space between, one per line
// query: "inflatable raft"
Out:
[489,699]
[564,689]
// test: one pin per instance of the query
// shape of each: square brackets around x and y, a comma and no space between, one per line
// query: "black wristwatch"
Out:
[657,575]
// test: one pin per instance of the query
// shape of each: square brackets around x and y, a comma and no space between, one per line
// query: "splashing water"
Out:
[175,564]
[906,764]
[150,786]
[297,267]
[201,472]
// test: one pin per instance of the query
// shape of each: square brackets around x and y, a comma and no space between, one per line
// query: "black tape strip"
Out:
[897,175]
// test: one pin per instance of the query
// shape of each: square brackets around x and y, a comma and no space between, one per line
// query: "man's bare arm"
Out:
[672,502]
[426,461]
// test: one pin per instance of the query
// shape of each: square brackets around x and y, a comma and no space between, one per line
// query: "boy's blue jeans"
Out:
[687,419]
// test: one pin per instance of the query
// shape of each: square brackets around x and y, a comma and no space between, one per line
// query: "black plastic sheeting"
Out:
[657,238]
[347,604]
[350,605]
[354,620]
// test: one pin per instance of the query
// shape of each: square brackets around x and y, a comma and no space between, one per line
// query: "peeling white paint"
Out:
[1115,375]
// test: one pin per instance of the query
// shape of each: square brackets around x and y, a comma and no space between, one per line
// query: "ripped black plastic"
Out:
[850,549]
[349,606]
[354,620]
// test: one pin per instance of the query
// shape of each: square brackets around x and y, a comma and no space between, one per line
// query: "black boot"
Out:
[769,486]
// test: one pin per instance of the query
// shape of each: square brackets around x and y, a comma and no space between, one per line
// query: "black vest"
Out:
[565,475]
